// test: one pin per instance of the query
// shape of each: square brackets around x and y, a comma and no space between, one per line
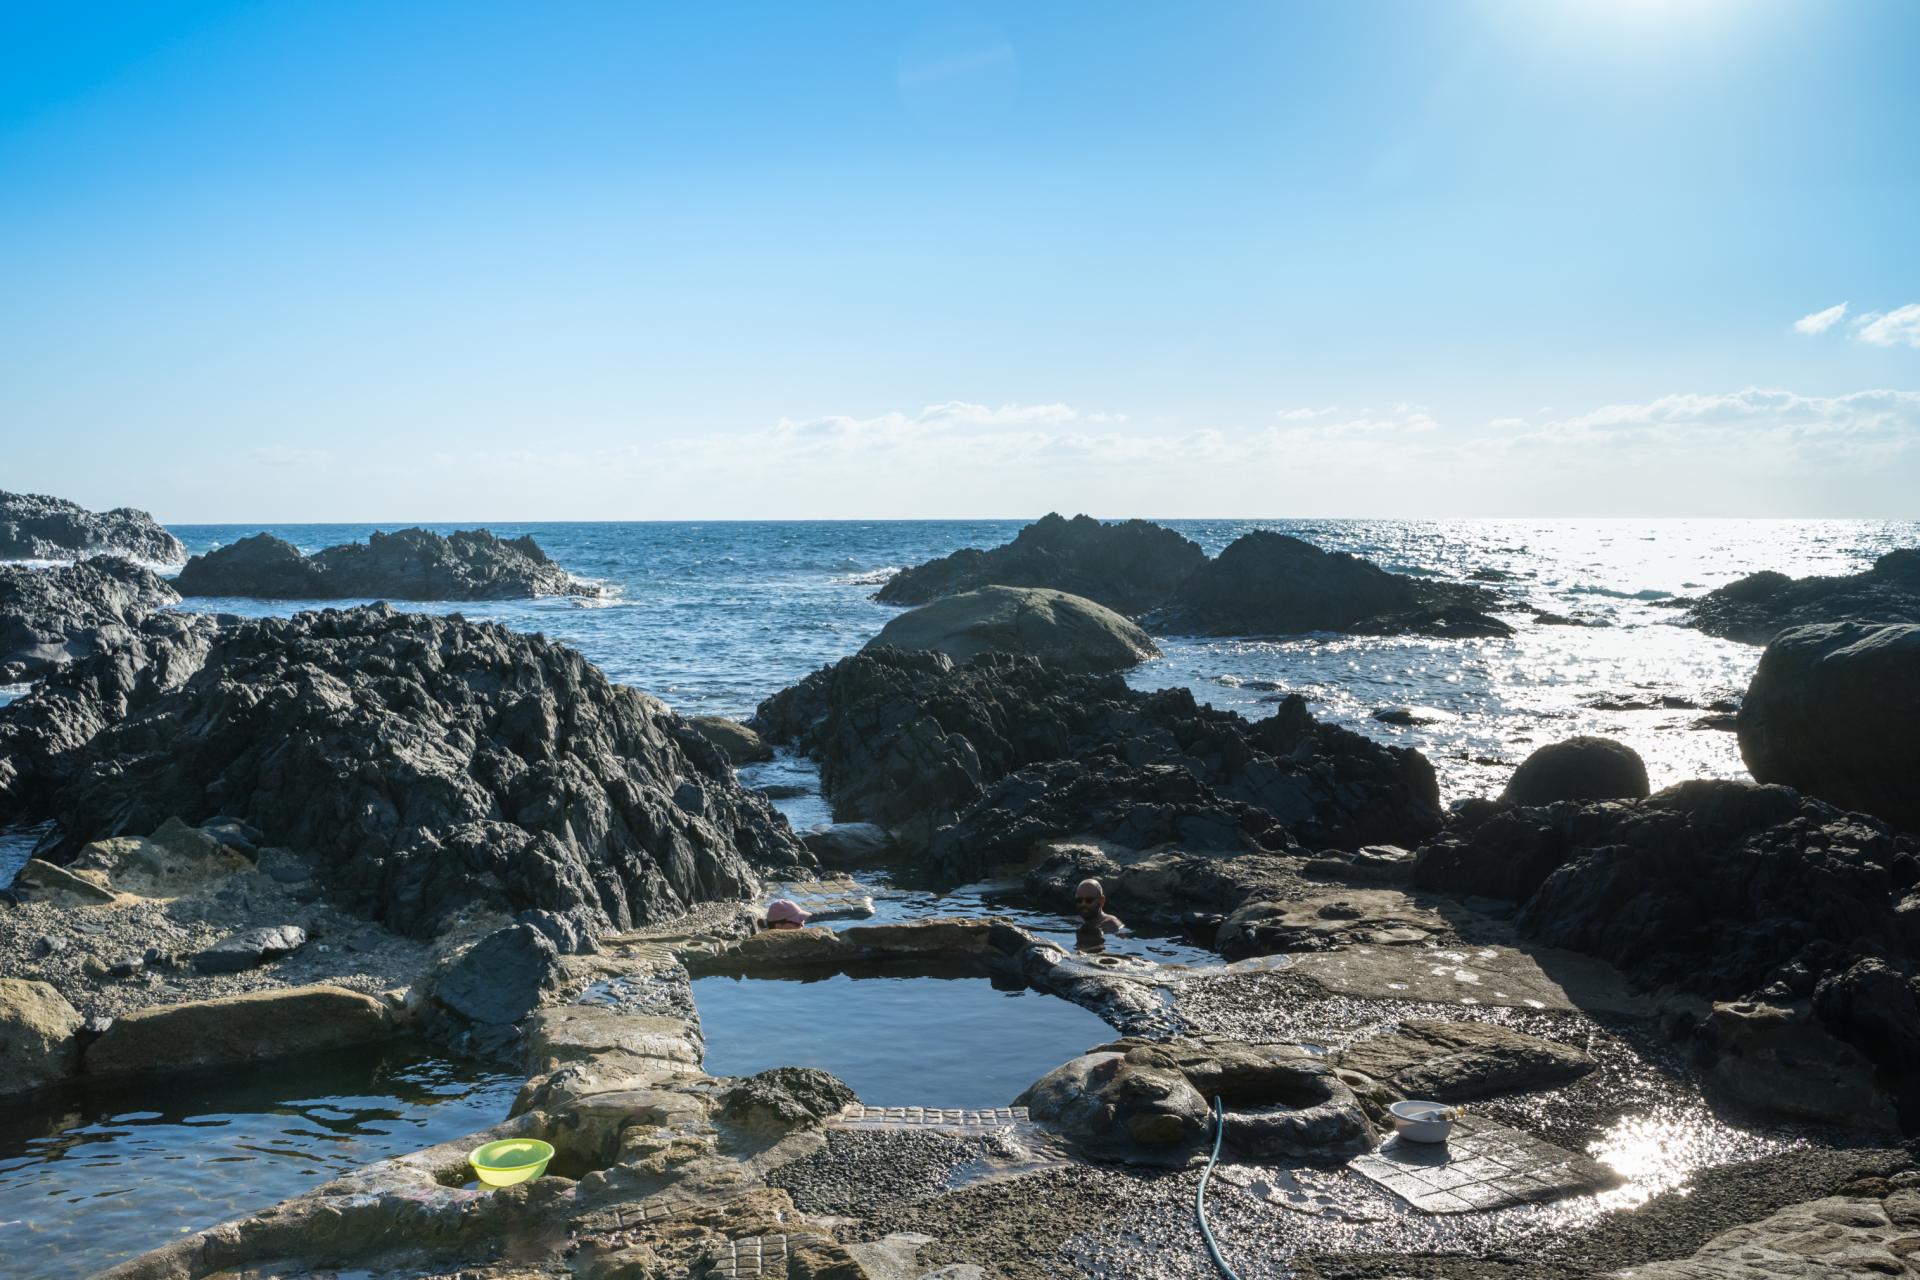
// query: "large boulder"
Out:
[1268,583]
[971,763]
[242,1028]
[51,617]
[1580,768]
[1834,710]
[36,527]
[1459,1061]
[501,978]
[1780,1058]
[1068,631]
[1113,1106]
[433,764]
[412,564]
[739,744]
[1760,606]
[37,1030]
[1129,567]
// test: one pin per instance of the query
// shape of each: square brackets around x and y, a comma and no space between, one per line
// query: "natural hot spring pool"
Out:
[91,1176]
[898,1041]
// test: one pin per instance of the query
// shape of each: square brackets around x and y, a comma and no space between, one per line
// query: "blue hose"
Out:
[1200,1196]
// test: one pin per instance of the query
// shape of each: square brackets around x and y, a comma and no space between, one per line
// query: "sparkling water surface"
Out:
[713,617]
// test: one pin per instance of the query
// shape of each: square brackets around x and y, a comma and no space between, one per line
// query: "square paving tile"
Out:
[1482,1166]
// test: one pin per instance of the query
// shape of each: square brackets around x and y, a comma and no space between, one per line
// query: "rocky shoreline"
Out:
[412,564]
[273,836]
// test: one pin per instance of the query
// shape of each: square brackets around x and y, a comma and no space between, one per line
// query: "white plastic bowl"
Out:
[1417,1120]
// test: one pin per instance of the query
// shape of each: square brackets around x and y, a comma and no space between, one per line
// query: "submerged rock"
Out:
[36,527]
[51,617]
[431,764]
[1065,630]
[1130,567]
[412,564]
[1834,710]
[1580,768]
[1269,583]
[37,1036]
[1760,606]
[972,763]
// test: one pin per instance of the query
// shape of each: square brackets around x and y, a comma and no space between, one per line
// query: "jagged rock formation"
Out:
[1065,630]
[434,764]
[1834,710]
[412,564]
[1761,605]
[34,526]
[969,764]
[1130,567]
[50,617]
[1269,583]
[1724,889]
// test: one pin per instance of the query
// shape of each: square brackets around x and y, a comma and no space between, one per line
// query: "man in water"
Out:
[1090,900]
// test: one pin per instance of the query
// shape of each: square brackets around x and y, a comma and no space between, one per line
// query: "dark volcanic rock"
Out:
[50,617]
[433,764]
[36,527]
[1581,768]
[412,564]
[43,735]
[785,1097]
[1005,751]
[1724,889]
[1759,606]
[1129,567]
[501,978]
[1066,630]
[1834,710]
[251,948]
[1269,583]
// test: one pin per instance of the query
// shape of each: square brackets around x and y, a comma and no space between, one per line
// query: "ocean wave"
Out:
[1649,593]
[866,577]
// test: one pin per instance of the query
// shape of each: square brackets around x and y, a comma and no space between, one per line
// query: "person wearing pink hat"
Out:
[785,913]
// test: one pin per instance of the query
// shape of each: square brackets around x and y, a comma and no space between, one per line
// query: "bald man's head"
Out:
[1089,897]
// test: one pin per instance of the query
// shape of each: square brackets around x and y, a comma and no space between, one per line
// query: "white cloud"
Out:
[1898,327]
[1821,321]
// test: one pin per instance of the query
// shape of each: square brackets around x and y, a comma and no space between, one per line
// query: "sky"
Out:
[346,261]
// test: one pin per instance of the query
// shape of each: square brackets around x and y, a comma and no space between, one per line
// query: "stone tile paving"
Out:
[953,1118]
[1482,1166]
[752,1256]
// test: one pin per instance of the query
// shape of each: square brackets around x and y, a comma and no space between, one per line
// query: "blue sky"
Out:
[272,262]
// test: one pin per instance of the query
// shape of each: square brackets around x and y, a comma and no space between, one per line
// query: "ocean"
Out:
[711,617]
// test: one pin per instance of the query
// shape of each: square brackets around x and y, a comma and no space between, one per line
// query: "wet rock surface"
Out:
[973,763]
[51,617]
[1063,630]
[1834,710]
[34,526]
[1269,583]
[37,1036]
[1761,605]
[1129,567]
[1459,1061]
[412,564]
[433,764]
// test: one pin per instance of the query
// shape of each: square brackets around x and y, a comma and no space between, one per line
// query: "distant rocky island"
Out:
[34,526]
[412,564]
[1761,605]
[1264,584]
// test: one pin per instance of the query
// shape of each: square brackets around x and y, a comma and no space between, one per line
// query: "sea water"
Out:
[712,617]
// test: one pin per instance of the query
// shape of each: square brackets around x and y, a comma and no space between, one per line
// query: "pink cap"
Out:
[781,909]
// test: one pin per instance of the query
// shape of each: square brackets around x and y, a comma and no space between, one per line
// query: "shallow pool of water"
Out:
[898,1041]
[91,1176]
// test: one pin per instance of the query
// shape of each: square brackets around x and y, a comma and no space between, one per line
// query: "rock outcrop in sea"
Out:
[34,526]
[1834,711]
[1738,893]
[434,764]
[1761,605]
[1129,567]
[1068,631]
[969,764]
[1268,583]
[412,564]
[51,617]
